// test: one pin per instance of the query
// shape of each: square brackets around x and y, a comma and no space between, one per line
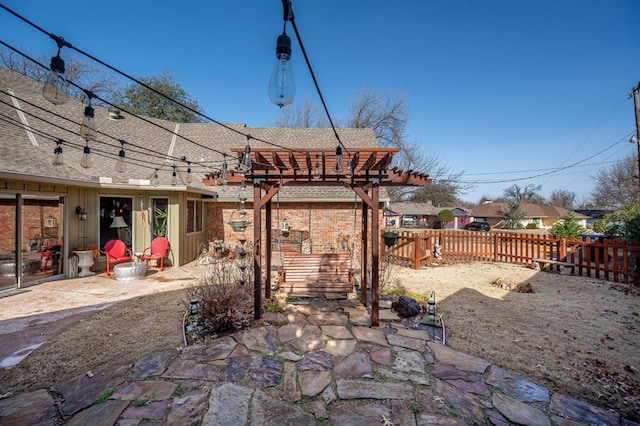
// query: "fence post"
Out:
[562,249]
[495,247]
[416,250]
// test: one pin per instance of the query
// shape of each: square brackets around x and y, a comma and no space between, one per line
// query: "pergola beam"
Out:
[274,167]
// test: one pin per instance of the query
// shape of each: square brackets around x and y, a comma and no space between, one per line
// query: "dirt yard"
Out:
[574,334]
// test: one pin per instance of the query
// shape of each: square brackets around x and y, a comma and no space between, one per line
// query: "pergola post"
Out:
[274,167]
[257,236]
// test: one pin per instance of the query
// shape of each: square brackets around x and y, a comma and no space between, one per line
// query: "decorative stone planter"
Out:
[85,261]
[239,225]
[130,271]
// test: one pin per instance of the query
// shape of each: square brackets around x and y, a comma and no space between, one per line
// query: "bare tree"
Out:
[85,74]
[301,114]
[528,194]
[387,115]
[563,198]
[617,185]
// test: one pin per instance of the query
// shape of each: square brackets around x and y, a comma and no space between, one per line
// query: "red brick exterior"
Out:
[334,227]
[37,216]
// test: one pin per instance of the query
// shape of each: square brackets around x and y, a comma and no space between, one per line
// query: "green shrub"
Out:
[532,226]
[567,227]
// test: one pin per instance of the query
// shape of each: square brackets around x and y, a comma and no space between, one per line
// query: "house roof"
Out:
[415,208]
[530,210]
[424,209]
[29,126]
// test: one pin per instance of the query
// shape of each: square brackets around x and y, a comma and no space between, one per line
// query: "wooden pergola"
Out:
[272,168]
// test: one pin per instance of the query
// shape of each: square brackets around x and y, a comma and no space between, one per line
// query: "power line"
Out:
[576,164]
[63,42]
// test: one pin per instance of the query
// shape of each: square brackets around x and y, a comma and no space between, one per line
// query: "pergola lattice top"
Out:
[369,165]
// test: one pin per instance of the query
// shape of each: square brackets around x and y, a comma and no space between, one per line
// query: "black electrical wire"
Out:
[315,81]
[61,41]
[141,150]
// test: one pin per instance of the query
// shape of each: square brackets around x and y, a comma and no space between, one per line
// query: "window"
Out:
[116,220]
[159,217]
[194,216]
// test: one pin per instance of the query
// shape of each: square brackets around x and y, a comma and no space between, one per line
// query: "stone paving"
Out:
[319,363]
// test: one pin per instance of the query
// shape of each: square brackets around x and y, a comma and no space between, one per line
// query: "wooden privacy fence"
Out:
[598,257]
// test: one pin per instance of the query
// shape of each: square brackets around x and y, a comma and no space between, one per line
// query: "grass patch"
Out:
[105,396]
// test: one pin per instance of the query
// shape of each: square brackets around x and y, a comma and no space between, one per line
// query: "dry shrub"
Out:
[509,286]
[224,296]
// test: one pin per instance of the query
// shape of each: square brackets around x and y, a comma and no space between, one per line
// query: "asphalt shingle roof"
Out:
[149,146]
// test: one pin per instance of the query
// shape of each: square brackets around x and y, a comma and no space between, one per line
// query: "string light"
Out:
[223,173]
[245,163]
[349,172]
[338,159]
[189,178]
[56,88]
[154,179]
[174,177]
[88,126]
[316,168]
[86,161]
[58,159]
[281,87]
[121,164]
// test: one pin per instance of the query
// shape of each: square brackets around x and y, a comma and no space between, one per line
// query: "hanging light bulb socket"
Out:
[121,164]
[189,178]
[56,88]
[88,126]
[338,168]
[174,177]
[315,173]
[87,160]
[154,179]
[58,159]
[245,163]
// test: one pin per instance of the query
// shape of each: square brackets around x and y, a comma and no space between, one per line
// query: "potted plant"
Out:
[390,238]
[86,251]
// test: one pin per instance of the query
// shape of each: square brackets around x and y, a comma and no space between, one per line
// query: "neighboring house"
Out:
[44,205]
[542,215]
[593,215]
[423,215]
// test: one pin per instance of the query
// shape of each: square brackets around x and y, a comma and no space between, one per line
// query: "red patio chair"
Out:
[116,252]
[157,251]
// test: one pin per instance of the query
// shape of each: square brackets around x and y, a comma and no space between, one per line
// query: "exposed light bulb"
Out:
[56,88]
[174,177]
[338,159]
[58,159]
[87,160]
[316,168]
[281,87]
[88,126]
[245,164]
[189,177]
[121,164]
[349,171]
[154,180]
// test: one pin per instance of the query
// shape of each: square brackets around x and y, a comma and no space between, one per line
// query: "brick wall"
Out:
[332,227]
[36,229]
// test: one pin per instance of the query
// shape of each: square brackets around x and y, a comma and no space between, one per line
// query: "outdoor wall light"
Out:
[81,212]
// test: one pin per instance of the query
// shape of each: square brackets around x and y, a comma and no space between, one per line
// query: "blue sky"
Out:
[504,90]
